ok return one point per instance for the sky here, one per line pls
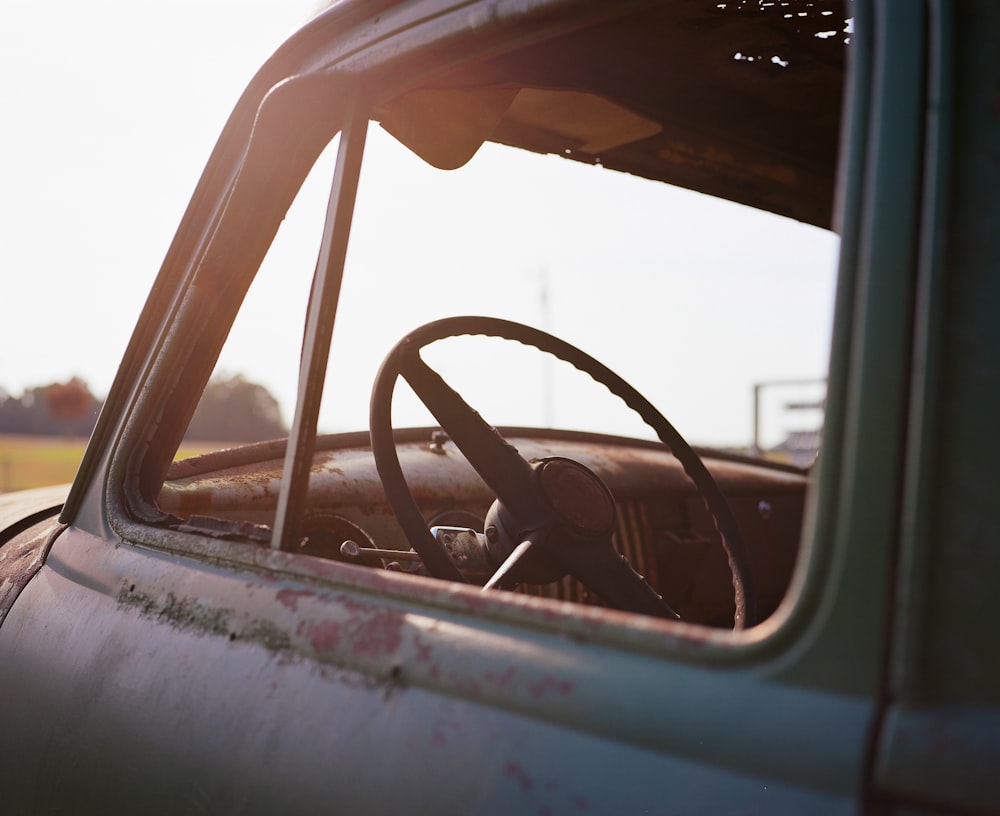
(111, 111)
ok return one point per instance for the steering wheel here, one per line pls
(554, 516)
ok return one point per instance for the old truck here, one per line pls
(480, 615)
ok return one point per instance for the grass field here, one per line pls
(38, 461)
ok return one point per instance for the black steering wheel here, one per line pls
(554, 516)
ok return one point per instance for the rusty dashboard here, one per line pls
(662, 524)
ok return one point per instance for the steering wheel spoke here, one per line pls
(495, 460)
(603, 570)
(510, 563)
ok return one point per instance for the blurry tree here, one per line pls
(233, 409)
(66, 409)
(68, 402)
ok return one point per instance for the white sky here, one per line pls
(111, 110)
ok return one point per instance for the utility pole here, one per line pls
(544, 304)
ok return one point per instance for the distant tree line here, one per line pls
(57, 409)
(232, 409)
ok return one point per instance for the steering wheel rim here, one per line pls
(403, 360)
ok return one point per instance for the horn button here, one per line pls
(577, 495)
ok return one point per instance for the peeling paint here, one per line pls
(289, 598)
(517, 774)
(550, 685)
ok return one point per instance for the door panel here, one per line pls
(143, 678)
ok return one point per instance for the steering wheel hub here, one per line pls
(577, 495)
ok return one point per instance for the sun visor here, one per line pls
(445, 127)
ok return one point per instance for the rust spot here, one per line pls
(324, 636)
(394, 681)
(379, 634)
(471, 687)
(514, 772)
(551, 685)
(369, 632)
(502, 680)
(289, 598)
(190, 614)
(423, 650)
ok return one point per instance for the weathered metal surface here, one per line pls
(21, 557)
(940, 740)
(347, 477)
(21, 509)
(193, 678)
(27, 529)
